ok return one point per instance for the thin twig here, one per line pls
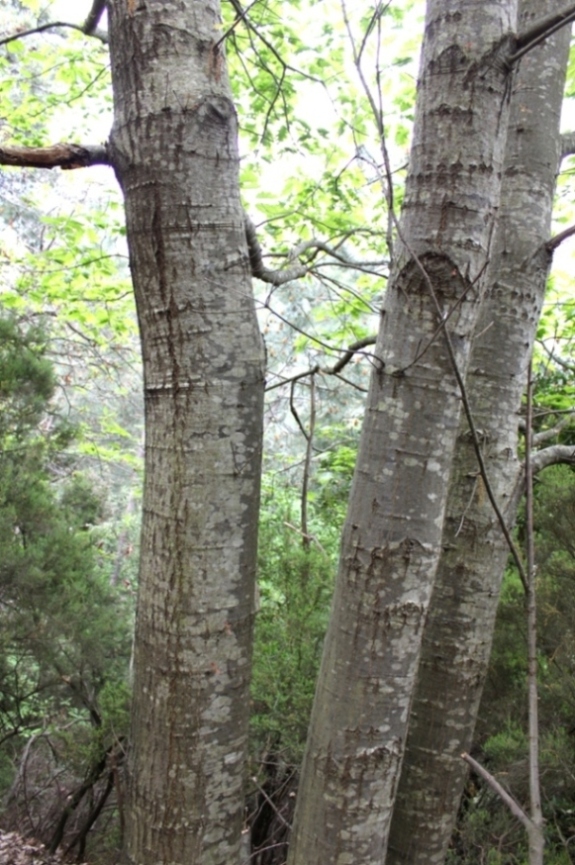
(53, 25)
(536, 839)
(468, 413)
(541, 30)
(271, 803)
(307, 465)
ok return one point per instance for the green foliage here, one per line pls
(295, 585)
(485, 824)
(64, 630)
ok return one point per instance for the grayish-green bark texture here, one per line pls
(174, 148)
(392, 537)
(458, 633)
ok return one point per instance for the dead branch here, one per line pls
(64, 156)
(513, 806)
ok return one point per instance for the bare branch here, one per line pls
(551, 433)
(54, 25)
(289, 274)
(552, 456)
(540, 31)
(333, 370)
(475, 440)
(535, 830)
(240, 15)
(295, 412)
(350, 353)
(293, 378)
(560, 362)
(513, 806)
(65, 156)
(271, 804)
(556, 241)
(275, 277)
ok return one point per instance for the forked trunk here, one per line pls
(392, 537)
(458, 633)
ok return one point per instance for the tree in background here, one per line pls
(65, 633)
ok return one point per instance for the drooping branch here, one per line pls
(55, 25)
(65, 156)
(473, 431)
(513, 806)
(541, 30)
(564, 364)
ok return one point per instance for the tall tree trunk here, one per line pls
(392, 537)
(458, 633)
(174, 148)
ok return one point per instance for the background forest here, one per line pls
(71, 427)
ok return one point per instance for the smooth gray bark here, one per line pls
(174, 148)
(458, 633)
(392, 537)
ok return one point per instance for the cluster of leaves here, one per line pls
(295, 585)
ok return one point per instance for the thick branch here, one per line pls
(556, 241)
(275, 277)
(94, 16)
(65, 156)
(551, 456)
(541, 30)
